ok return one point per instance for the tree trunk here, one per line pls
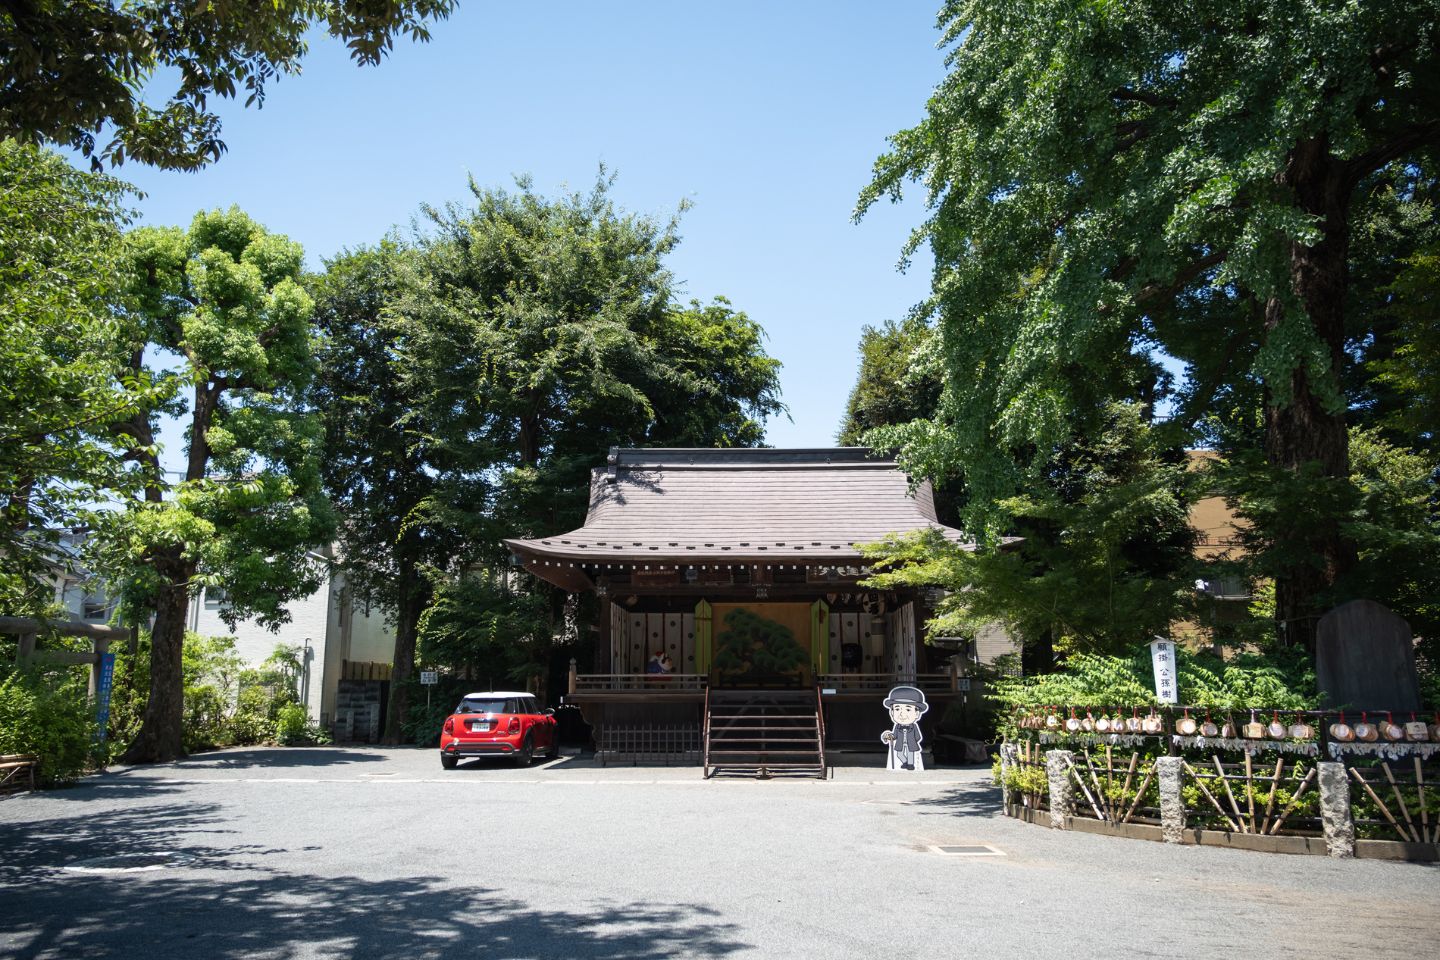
(1303, 427)
(161, 730)
(414, 594)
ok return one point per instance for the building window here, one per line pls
(94, 607)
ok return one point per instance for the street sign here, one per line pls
(962, 683)
(429, 677)
(1167, 681)
(103, 685)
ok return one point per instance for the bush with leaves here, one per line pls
(47, 713)
(1281, 681)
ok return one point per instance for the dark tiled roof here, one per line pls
(769, 506)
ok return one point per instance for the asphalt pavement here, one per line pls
(367, 852)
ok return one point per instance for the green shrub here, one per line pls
(1278, 680)
(48, 714)
(206, 725)
(293, 727)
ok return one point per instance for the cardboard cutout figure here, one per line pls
(906, 705)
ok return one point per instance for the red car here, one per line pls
(499, 723)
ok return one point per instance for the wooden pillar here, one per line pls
(99, 648)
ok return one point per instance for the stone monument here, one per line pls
(1365, 659)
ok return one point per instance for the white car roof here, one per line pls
(487, 694)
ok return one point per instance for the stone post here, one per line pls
(1335, 810)
(1169, 773)
(1008, 752)
(1062, 788)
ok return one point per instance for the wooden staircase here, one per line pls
(760, 733)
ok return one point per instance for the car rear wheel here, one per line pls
(448, 762)
(526, 753)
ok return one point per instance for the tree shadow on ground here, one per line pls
(232, 902)
(274, 758)
(980, 798)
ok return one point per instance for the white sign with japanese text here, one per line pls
(1167, 684)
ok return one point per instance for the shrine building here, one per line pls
(732, 625)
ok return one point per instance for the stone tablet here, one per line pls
(1365, 659)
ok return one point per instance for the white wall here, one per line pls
(254, 643)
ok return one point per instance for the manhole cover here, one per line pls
(130, 863)
(970, 851)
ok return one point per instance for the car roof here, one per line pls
(488, 694)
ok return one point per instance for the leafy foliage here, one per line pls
(1105, 180)
(1282, 681)
(48, 715)
(899, 382)
(63, 348)
(474, 377)
(74, 70)
(222, 307)
(1102, 565)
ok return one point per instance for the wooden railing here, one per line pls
(626, 682)
(884, 681)
(696, 682)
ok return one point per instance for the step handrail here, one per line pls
(820, 729)
(705, 761)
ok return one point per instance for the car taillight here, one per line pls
(514, 724)
(449, 724)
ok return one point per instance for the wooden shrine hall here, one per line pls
(733, 626)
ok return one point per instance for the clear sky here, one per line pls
(767, 116)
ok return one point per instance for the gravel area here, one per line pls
(374, 852)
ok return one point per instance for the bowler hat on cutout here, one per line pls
(910, 695)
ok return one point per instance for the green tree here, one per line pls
(380, 468)
(75, 70)
(899, 382)
(540, 332)
(221, 306)
(536, 333)
(1108, 178)
(64, 352)
(1103, 562)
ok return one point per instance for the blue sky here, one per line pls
(766, 116)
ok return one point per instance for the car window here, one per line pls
(484, 705)
(530, 706)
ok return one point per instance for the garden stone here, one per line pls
(1335, 810)
(1062, 788)
(1008, 756)
(1168, 775)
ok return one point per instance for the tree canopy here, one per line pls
(1111, 181)
(221, 310)
(72, 71)
(63, 348)
(474, 374)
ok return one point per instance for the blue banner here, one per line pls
(103, 686)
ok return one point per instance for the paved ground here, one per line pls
(371, 853)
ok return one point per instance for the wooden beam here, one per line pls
(65, 628)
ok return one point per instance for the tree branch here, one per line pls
(1125, 94)
(1182, 278)
(1416, 135)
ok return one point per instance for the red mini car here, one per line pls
(500, 723)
